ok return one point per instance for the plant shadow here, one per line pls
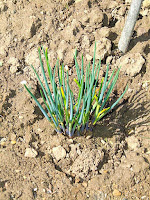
(127, 116)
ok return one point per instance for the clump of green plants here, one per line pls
(67, 113)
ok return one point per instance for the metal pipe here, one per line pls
(129, 25)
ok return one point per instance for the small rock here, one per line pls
(132, 130)
(148, 152)
(88, 57)
(89, 134)
(77, 1)
(17, 170)
(145, 85)
(3, 141)
(13, 69)
(20, 117)
(35, 144)
(146, 4)
(144, 12)
(32, 58)
(13, 142)
(59, 152)
(88, 137)
(143, 197)
(85, 184)
(70, 141)
(131, 64)
(116, 193)
(133, 143)
(31, 153)
(1, 63)
(13, 61)
(105, 171)
(109, 59)
(14, 64)
(103, 142)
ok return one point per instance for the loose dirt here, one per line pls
(113, 161)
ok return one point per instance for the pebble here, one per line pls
(77, 1)
(85, 184)
(70, 141)
(17, 170)
(145, 12)
(1, 63)
(89, 137)
(59, 152)
(131, 64)
(31, 153)
(13, 69)
(103, 142)
(13, 64)
(105, 171)
(109, 59)
(116, 193)
(148, 152)
(88, 57)
(20, 117)
(13, 61)
(143, 197)
(146, 4)
(133, 143)
(13, 142)
(131, 132)
(3, 141)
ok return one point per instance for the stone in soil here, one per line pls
(133, 143)
(131, 64)
(31, 153)
(59, 152)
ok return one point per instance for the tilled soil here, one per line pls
(113, 161)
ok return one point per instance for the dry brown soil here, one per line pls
(113, 162)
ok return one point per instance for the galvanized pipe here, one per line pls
(129, 25)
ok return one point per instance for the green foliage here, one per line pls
(66, 113)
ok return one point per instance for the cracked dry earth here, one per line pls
(112, 162)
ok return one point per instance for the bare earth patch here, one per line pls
(36, 163)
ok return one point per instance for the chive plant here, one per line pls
(65, 112)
